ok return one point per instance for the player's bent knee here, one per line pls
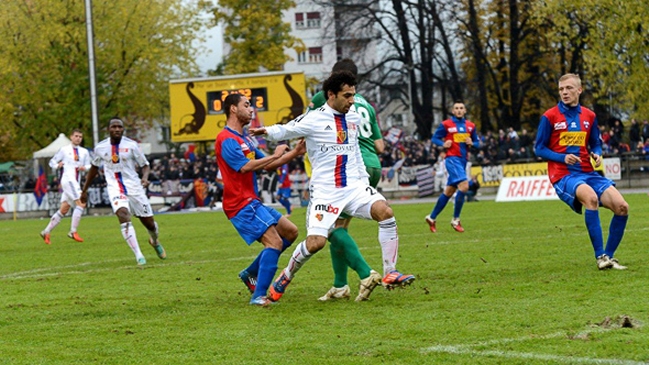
(315, 243)
(590, 202)
(381, 211)
(291, 234)
(622, 209)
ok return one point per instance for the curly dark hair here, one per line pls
(336, 81)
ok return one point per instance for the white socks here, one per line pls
(299, 257)
(389, 240)
(128, 232)
(76, 217)
(54, 221)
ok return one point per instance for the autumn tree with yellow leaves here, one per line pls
(139, 46)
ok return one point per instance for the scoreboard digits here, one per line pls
(257, 97)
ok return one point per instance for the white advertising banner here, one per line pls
(22, 202)
(525, 188)
(613, 168)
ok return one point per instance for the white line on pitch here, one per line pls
(43, 272)
(468, 349)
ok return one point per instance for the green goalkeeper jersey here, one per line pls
(369, 131)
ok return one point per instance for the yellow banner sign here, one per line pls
(197, 104)
(492, 175)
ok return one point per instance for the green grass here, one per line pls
(520, 286)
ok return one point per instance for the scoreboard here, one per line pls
(257, 96)
(197, 104)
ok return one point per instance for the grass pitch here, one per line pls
(520, 286)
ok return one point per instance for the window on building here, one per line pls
(315, 54)
(301, 57)
(339, 53)
(313, 19)
(299, 20)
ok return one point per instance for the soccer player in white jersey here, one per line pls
(71, 160)
(119, 156)
(339, 181)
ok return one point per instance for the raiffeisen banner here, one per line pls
(526, 188)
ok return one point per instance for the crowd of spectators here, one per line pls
(504, 146)
(513, 146)
(170, 170)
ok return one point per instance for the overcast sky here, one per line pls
(213, 55)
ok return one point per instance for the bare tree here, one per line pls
(418, 53)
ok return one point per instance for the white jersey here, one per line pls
(73, 157)
(331, 143)
(120, 163)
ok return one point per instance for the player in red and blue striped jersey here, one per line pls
(284, 190)
(456, 135)
(568, 136)
(238, 159)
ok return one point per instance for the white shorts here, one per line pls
(137, 203)
(326, 205)
(71, 192)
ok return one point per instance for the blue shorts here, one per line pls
(254, 220)
(284, 193)
(566, 188)
(456, 169)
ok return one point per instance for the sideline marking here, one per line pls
(468, 349)
(43, 272)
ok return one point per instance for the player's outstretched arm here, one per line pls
(257, 131)
(298, 150)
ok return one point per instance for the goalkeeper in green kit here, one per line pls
(342, 245)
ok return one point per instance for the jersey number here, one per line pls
(366, 125)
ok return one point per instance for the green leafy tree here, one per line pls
(504, 62)
(607, 43)
(139, 46)
(256, 34)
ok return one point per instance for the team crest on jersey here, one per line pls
(319, 217)
(560, 125)
(586, 124)
(115, 158)
(341, 136)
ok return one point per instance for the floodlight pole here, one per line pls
(91, 73)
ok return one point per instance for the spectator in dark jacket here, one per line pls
(634, 134)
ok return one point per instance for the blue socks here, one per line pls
(594, 228)
(268, 259)
(286, 204)
(459, 202)
(443, 200)
(441, 203)
(615, 233)
(253, 269)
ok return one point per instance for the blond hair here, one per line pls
(571, 76)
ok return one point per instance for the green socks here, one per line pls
(344, 253)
